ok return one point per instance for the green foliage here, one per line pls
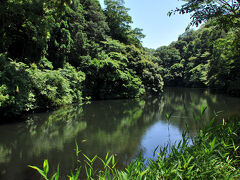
(118, 19)
(207, 57)
(225, 12)
(16, 91)
(47, 48)
(45, 171)
(96, 24)
(146, 69)
(214, 154)
(210, 54)
(4, 97)
(123, 72)
(25, 28)
(52, 88)
(25, 88)
(110, 78)
(95, 27)
(199, 75)
(108, 168)
(119, 23)
(224, 68)
(169, 58)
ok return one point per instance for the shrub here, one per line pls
(25, 88)
(111, 78)
(16, 89)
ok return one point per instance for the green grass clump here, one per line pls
(214, 154)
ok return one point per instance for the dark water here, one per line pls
(123, 127)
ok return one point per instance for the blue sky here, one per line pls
(151, 16)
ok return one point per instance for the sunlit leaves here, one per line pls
(55, 43)
(203, 10)
(119, 23)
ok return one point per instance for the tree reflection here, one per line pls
(185, 104)
(116, 126)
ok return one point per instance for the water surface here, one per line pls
(122, 127)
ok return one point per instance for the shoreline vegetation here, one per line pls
(61, 52)
(54, 53)
(213, 154)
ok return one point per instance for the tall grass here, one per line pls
(214, 154)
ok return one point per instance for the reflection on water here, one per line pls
(123, 127)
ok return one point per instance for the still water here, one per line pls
(122, 127)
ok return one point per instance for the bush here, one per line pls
(25, 88)
(111, 78)
(148, 72)
(16, 89)
(51, 88)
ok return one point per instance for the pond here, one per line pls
(123, 127)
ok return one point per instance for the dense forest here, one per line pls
(207, 57)
(59, 52)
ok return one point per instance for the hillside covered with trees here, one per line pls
(59, 52)
(209, 56)
(54, 53)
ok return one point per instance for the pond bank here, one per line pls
(123, 127)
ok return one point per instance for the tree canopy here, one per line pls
(208, 57)
(225, 11)
(59, 52)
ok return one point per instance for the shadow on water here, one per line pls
(122, 127)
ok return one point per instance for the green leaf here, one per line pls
(45, 166)
(87, 157)
(77, 148)
(77, 174)
(168, 116)
(40, 171)
(203, 109)
(56, 175)
(212, 144)
(108, 161)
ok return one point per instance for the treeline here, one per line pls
(58, 52)
(207, 57)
